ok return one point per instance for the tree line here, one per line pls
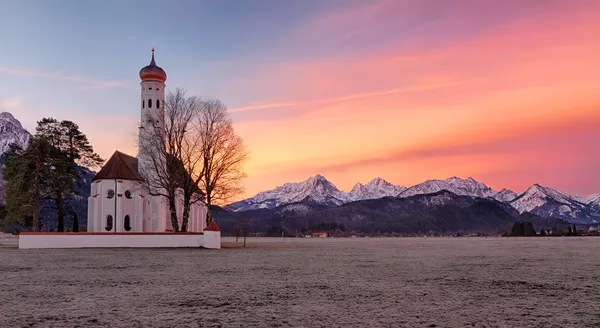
(190, 149)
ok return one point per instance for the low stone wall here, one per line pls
(111, 240)
(7, 239)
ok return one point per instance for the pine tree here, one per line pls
(72, 149)
(27, 181)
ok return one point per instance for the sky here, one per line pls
(506, 92)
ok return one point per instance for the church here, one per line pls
(121, 211)
(118, 201)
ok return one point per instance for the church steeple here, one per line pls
(152, 102)
(152, 72)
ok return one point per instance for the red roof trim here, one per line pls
(212, 226)
(106, 233)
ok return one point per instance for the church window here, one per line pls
(109, 223)
(149, 103)
(127, 194)
(157, 103)
(127, 223)
(143, 104)
(110, 193)
(149, 88)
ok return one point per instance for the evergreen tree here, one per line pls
(72, 149)
(528, 229)
(517, 229)
(27, 181)
(569, 231)
(542, 232)
(574, 230)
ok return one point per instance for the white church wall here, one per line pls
(212, 239)
(125, 205)
(107, 240)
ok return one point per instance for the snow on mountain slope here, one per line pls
(593, 199)
(315, 189)
(376, 188)
(463, 187)
(549, 202)
(11, 131)
(505, 195)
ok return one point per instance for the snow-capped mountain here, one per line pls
(549, 202)
(593, 199)
(376, 188)
(11, 131)
(505, 195)
(315, 189)
(462, 187)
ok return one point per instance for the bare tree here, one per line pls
(162, 144)
(223, 155)
(191, 149)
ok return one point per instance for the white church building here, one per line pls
(121, 213)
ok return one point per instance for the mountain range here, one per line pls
(539, 200)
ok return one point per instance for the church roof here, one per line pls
(212, 226)
(119, 166)
(153, 72)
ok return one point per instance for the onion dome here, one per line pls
(153, 72)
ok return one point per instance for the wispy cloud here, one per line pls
(10, 102)
(348, 97)
(90, 84)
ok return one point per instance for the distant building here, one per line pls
(319, 234)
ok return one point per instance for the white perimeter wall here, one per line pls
(74, 240)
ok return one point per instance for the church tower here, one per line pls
(152, 101)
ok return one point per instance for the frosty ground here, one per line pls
(393, 282)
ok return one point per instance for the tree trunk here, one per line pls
(36, 196)
(36, 212)
(60, 212)
(173, 211)
(186, 213)
(208, 216)
(75, 222)
(208, 211)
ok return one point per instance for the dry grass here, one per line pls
(411, 282)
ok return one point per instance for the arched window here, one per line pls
(149, 103)
(109, 223)
(127, 194)
(127, 223)
(110, 193)
(157, 103)
(143, 104)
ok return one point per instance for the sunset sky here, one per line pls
(506, 92)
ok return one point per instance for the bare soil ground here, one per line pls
(409, 282)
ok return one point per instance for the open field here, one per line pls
(371, 282)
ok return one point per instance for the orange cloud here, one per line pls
(498, 97)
